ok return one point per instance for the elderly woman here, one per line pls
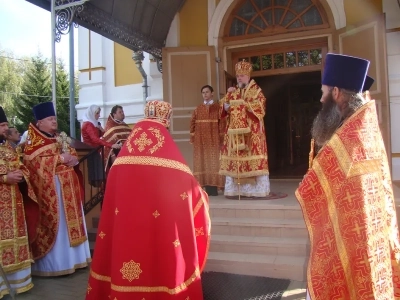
(91, 134)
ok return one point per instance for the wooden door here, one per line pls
(185, 71)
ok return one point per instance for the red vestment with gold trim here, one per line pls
(244, 151)
(154, 229)
(42, 158)
(206, 135)
(14, 199)
(348, 206)
(114, 133)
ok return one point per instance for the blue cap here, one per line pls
(346, 72)
(44, 110)
(3, 118)
(369, 81)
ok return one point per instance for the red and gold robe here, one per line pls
(42, 158)
(154, 229)
(206, 135)
(114, 133)
(244, 150)
(14, 200)
(348, 206)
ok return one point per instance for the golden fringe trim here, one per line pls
(79, 241)
(244, 174)
(19, 281)
(147, 289)
(152, 161)
(64, 272)
(246, 158)
(207, 121)
(247, 180)
(237, 102)
(18, 290)
(17, 267)
(234, 131)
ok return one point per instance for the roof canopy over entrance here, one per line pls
(136, 24)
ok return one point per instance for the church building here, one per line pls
(285, 40)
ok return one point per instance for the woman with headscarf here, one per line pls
(91, 134)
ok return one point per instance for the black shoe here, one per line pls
(211, 190)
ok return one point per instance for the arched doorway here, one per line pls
(287, 69)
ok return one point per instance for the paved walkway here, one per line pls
(69, 287)
(73, 287)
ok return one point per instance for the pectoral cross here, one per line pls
(64, 141)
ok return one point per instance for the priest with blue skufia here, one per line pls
(61, 245)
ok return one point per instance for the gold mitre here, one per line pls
(158, 110)
(243, 68)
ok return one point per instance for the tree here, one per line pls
(62, 92)
(11, 72)
(36, 88)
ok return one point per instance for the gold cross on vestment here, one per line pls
(142, 142)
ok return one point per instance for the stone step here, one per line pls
(285, 267)
(92, 234)
(285, 228)
(95, 222)
(259, 245)
(254, 211)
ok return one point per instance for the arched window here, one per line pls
(252, 17)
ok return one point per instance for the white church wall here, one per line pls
(392, 10)
(100, 88)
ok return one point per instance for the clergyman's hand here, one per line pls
(231, 89)
(367, 96)
(73, 161)
(14, 177)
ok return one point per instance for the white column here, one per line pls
(92, 79)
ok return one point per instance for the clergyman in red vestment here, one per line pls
(18, 218)
(154, 230)
(206, 135)
(61, 245)
(346, 195)
(116, 131)
(244, 157)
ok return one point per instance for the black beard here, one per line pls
(326, 122)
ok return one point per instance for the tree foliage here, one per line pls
(11, 71)
(62, 93)
(36, 88)
(25, 82)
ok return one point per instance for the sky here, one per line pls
(25, 29)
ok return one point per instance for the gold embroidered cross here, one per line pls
(176, 243)
(199, 231)
(102, 234)
(116, 211)
(184, 196)
(156, 214)
(89, 288)
(142, 142)
(130, 270)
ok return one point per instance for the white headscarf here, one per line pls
(89, 115)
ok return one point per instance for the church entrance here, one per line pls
(293, 101)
